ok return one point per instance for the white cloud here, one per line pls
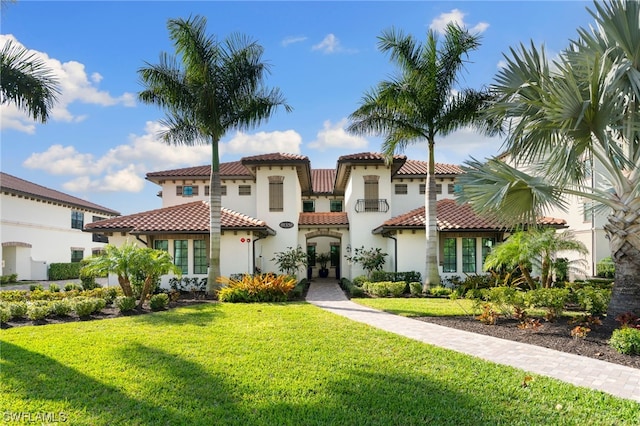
(123, 180)
(75, 86)
(330, 44)
(263, 142)
(291, 40)
(456, 16)
(335, 136)
(123, 167)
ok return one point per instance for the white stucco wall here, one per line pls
(47, 228)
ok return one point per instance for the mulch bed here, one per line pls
(553, 335)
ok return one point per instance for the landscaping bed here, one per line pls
(107, 312)
(554, 335)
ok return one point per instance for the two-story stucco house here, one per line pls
(40, 226)
(275, 202)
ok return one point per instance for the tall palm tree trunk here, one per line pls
(623, 231)
(432, 275)
(215, 213)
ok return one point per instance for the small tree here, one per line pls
(370, 260)
(129, 261)
(291, 261)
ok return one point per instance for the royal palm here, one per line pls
(209, 88)
(420, 103)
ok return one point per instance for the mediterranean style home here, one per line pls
(40, 226)
(276, 202)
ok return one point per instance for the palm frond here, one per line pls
(498, 190)
(27, 82)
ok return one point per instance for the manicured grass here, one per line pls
(420, 307)
(272, 364)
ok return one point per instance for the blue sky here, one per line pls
(100, 142)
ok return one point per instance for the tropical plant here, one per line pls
(207, 89)
(420, 103)
(291, 260)
(130, 262)
(27, 82)
(570, 124)
(370, 260)
(534, 247)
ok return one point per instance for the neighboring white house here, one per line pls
(274, 202)
(40, 226)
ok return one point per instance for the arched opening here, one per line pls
(325, 255)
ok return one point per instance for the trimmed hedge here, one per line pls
(64, 271)
(410, 276)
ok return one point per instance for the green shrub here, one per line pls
(439, 291)
(415, 288)
(60, 307)
(385, 288)
(37, 310)
(159, 301)
(36, 287)
(551, 299)
(626, 340)
(380, 276)
(72, 286)
(360, 280)
(5, 313)
(14, 295)
(606, 268)
(64, 271)
(593, 300)
(234, 295)
(6, 279)
(125, 303)
(54, 288)
(299, 290)
(18, 309)
(84, 306)
(89, 282)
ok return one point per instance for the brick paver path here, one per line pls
(612, 378)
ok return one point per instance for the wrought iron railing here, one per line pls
(372, 205)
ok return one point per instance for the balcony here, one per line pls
(372, 206)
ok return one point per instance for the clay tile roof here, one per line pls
(416, 167)
(233, 168)
(453, 216)
(322, 180)
(183, 218)
(19, 186)
(364, 156)
(323, 219)
(277, 156)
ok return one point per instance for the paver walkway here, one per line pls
(612, 378)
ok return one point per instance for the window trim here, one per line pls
(77, 217)
(469, 255)
(307, 202)
(200, 257)
(247, 189)
(400, 189)
(184, 263)
(450, 259)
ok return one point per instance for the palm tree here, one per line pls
(579, 116)
(420, 104)
(217, 87)
(115, 260)
(535, 246)
(27, 82)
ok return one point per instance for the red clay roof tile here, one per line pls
(419, 168)
(323, 180)
(454, 216)
(323, 219)
(188, 218)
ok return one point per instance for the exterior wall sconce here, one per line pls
(348, 248)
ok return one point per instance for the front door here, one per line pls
(335, 259)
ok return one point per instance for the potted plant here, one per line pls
(322, 259)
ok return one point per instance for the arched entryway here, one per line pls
(324, 249)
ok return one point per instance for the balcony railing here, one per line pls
(372, 206)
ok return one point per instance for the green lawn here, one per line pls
(272, 364)
(420, 307)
